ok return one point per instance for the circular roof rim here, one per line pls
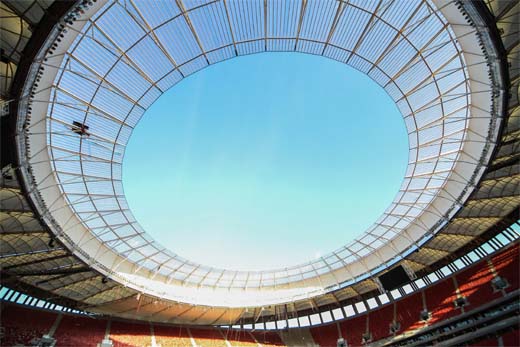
(186, 261)
(44, 214)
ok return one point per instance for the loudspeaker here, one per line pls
(460, 302)
(424, 315)
(395, 327)
(499, 283)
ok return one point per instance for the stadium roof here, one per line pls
(97, 74)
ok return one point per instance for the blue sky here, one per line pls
(265, 161)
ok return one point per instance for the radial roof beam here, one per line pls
(300, 22)
(186, 16)
(38, 261)
(52, 272)
(154, 37)
(230, 28)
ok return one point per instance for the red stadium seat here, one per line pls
(408, 312)
(439, 300)
(124, 334)
(491, 342)
(268, 338)
(475, 284)
(171, 336)
(511, 339)
(22, 325)
(240, 338)
(353, 330)
(80, 331)
(207, 338)
(379, 322)
(326, 335)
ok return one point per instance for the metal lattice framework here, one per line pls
(109, 65)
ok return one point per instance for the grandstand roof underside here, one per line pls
(409, 48)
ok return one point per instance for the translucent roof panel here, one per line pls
(120, 56)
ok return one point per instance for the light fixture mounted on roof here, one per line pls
(80, 128)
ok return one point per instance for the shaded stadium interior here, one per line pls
(84, 72)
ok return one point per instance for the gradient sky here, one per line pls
(265, 161)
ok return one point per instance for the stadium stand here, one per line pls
(76, 330)
(326, 335)
(474, 285)
(352, 330)
(125, 334)
(379, 322)
(439, 300)
(240, 338)
(408, 312)
(171, 336)
(22, 326)
(490, 319)
(208, 338)
(268, 338)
